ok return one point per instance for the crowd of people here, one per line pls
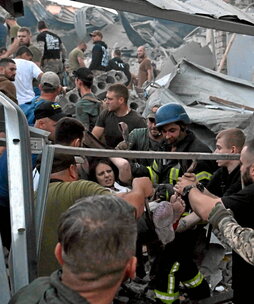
(97, 215)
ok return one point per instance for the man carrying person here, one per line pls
(92, 271)
(100, 56)
(117, 111)
(241, 203)
(176, 263)
(172, 121)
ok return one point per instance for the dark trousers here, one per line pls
(5, 226)
(180, 252)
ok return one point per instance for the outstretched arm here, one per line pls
(142, 188)
(240, 239)
(124, 169)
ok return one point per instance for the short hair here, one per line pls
(85, 76)
(120, 90)
(67, 130)
(23, 50)
(25, 29)
(94, 162)
(98, 237)
(117, 52)
(41, 25)
(232, 137)
(5, 61)
(250, 147)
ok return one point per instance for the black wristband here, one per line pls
(200, 187)
(187, 189)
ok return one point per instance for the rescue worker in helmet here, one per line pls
(176, 263)
(172, 120)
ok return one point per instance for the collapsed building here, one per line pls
(190, 59)
(188, 70)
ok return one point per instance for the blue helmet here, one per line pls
(169, 113)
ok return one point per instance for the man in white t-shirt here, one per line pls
(26, 72)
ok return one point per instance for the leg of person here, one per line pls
(166, 281)
(196, 286)
(5, 226)
(146, 235)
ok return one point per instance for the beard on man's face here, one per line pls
(246, 178)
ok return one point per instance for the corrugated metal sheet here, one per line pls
(206, 13)
(192, 86)
(212, 8)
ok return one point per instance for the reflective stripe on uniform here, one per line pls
(203, 175)
(173, 175)
(170, 296)
(197, 280)
(165, 297)
(153, 172)
(153, 176)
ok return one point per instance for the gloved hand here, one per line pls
(163, 192)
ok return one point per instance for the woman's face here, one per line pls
(105, 175)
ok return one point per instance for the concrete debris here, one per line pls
(99, 88)
(102, 82)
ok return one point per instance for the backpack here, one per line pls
(29, 107)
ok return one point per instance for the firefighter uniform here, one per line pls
(176, 263)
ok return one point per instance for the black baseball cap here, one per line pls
(49, 109)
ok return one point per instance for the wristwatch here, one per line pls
(200, 187)
(187, 189)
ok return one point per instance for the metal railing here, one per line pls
(27, 221)
(23, 257)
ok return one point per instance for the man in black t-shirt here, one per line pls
(227, 180)
(54, 52)
(116, 63)
(242, 206)
(117, 111)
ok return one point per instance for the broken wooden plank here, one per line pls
(230, 103)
